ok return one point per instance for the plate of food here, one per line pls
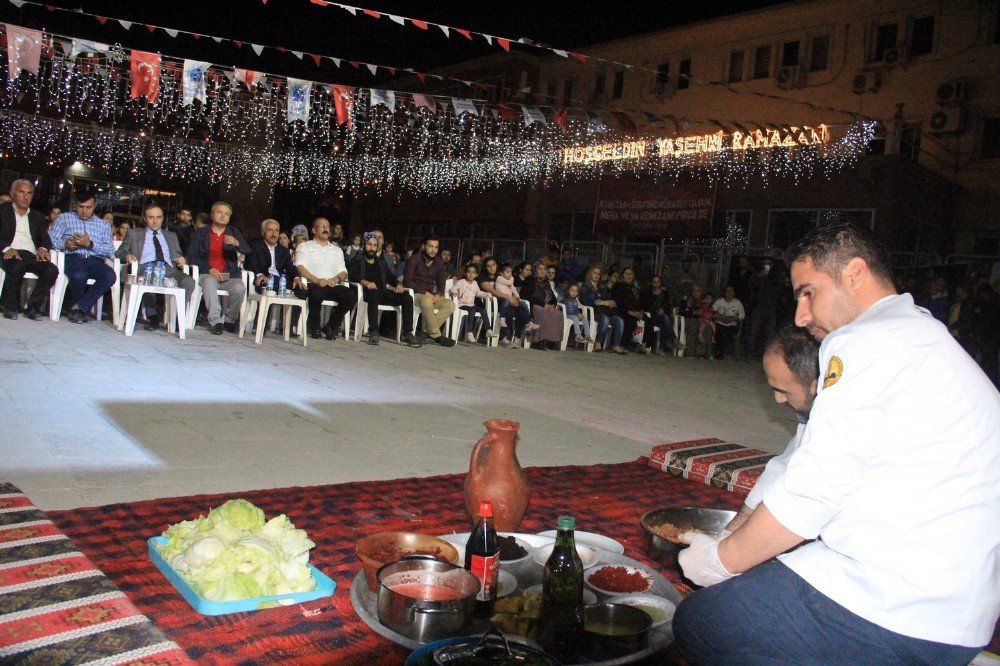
(615, 579)
(591, 539)
(588, 554)
(515, 547)
(659, 609)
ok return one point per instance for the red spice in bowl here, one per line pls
(619, 579)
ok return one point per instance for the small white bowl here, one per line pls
(658, 608)
(588, 596)
(588, 578)
(588, 554)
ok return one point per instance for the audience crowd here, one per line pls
(502, 300)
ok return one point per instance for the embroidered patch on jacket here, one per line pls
(834, 370)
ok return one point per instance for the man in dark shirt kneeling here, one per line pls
(380, 288)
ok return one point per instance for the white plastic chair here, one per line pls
(333, 304)
(191, 312)
(53, 300)
(679, 332)
(62, 284)
(361, 320)
(195, 273)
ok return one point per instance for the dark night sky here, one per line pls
(299, 25)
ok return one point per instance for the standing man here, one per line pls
(321, 262)
(86, 240)
(269, 258)
(155, 244)
(380, 288)
(182, 226)
(25, 240)
(215, 250)
(425, 276)
(897, 473)
(449, 266)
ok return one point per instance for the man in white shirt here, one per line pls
(897, 474)
(24, 238)
(321, 262)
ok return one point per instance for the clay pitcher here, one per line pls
(496, 475)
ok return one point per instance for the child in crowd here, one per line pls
(581, 327)
(505, 285)
(468, 292)
(706, 322)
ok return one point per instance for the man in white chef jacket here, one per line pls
(897, 474)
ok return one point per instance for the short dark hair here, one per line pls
(799, 350)
(84, 193)
(832, 246)
(432, 238)
(151, 205)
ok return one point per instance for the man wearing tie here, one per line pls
(269, 258)
(151, 245)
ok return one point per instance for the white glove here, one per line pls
(700, 560)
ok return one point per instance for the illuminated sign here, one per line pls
(789, 137)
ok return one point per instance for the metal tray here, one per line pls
(324, 588)
(365, 601)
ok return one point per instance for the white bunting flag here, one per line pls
(298, 99)
(336, 61)
(594, 122)
(17, 3)
(126, 24)
(532, 115)
(489, 39)
(386, 97)
(396, 19)
(257, 48)
(298, 54)
(217, 40)
(85, 46)
(353, 10)
(564, 54)
(372, 68)
(424, 101)
(445, 30)
(172, 33)
(194, 81)
(464, 106)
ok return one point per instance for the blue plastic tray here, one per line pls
(324, 588)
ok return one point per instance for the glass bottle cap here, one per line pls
(566, 523)
(486, 509)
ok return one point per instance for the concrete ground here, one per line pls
(92, 417)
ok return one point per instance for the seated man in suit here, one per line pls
(150, 245)
(24, 237)
(380, 288)
(269, 258)
(86, 240)
(215, 249)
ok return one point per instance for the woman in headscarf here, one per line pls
(546, 327)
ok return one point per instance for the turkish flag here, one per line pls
(247, 77)
(560, 118)
(145, 68)
(343, 100)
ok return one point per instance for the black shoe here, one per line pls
(216, 330)
(444, 341)
(542, 345)
(315, 334)
(78, 317)
(329, 332)
(373, 339)
(412, 340)
(32, 313)
(231, 327)
(9, 314)
(152, 323)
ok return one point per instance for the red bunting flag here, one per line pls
(420, 24)
(238, 43)
(626, 123)
(579, 56)
(247, 77)
(343, 101)
(316, 58)
(321, 3)
(508, 112)
(504, 44)
(151, 28)
(101, 19)
(145, 68)
(372, 13)
(424, 101)
(465, 33)
(560, 118)
(422, 77)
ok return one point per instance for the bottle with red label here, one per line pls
(482, 559)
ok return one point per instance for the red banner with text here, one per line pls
(638, 208)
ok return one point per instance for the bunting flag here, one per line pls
(145, 68)
(298, 99)
(594, 122)
(24, 50)
(343, 101)
(626, 123)
(507, 112)
(425, 102)
(85, 46)
(462, 105)
(247, 77)
(194, 81)
(385, 97)
(532, 115)
(560, 118)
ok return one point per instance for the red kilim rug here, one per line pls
(608, 499)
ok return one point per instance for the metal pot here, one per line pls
(491, 648)
(614, 630)
(407, 603)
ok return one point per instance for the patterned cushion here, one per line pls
(713, 462)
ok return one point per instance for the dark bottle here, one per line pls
(560, 625)
(482, 558)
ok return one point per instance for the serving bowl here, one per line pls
(426, 599)
(661, 610)
(637, 582)
(381, 548)
(614, 630)
(588, 555)
(657, 522)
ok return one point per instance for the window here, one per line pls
(684, 74)
(909, 141)
(662, 76)
(550, 92)
(619, 86)
(819, 56)
(762, 62)
(885, 38)
(790, 54)
(735, 67)
(567, 92)
(990, 146)
(922, 36)
(599, 86)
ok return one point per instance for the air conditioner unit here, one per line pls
(952, 93)
(950, 120)
(790, 76)
(894, 56)
(866, 80)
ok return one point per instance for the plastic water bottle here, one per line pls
(270, 283)
(161, 273)
(148, 274)
(282, 285)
